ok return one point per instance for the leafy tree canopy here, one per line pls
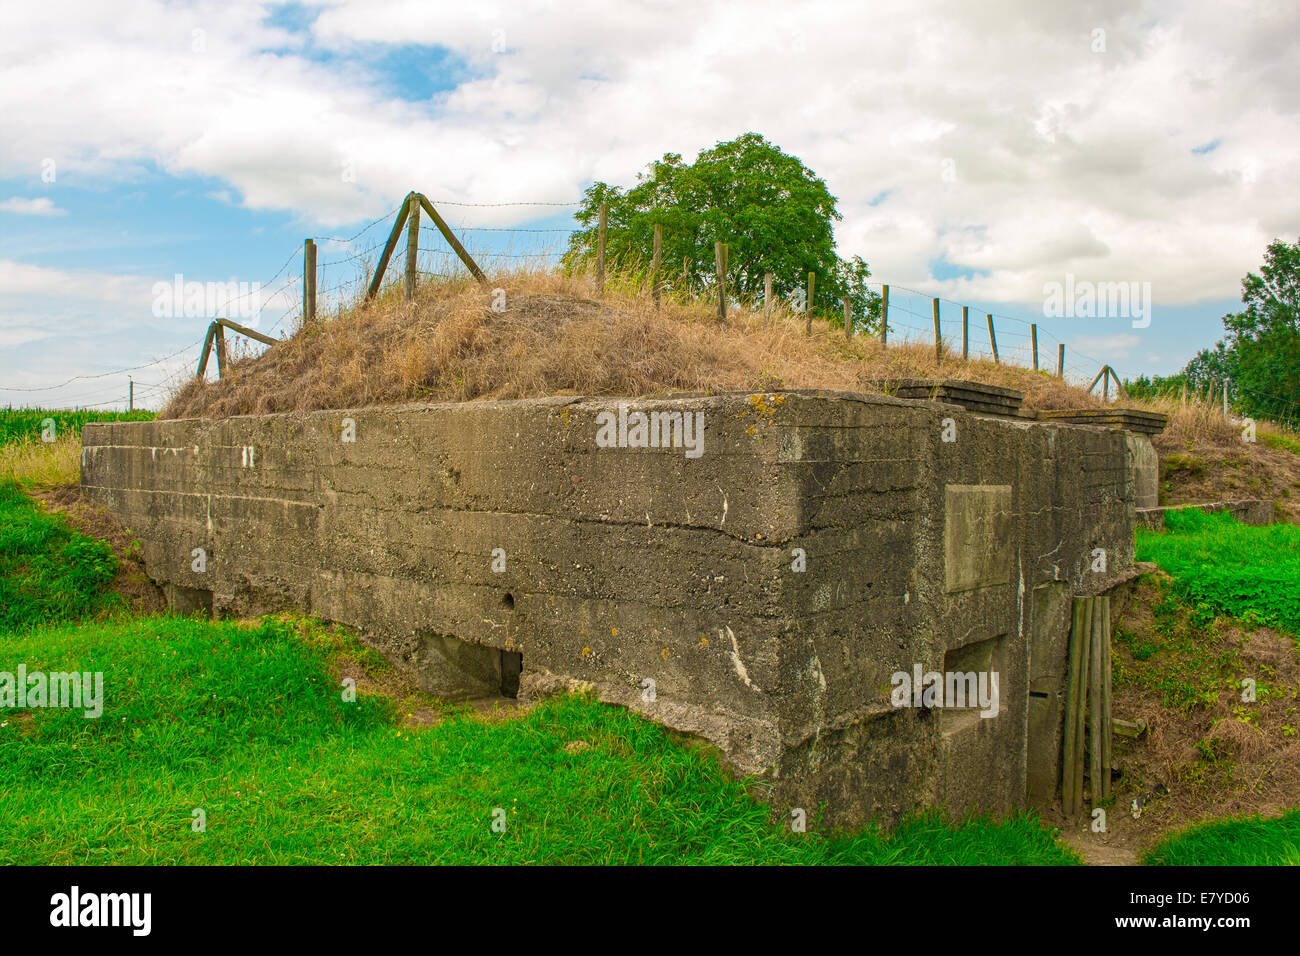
(774, 213)
(1261, 351)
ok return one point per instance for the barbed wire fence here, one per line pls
(344, 275)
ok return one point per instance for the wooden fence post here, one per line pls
(938, 333)
(993, 339)
(1033, 335)
(130, 394)
(1060, 361)
(1095, 706)
(1081, 724)
(412, 244)
(1072, 705)
(1107, 714)
(848, 319)
(812, 287)
(207, 349)
(720, 263)
(965, 332)
(655, 262)
(884, 313)
(389, 246)
(308, 282)
(219, 342)
(767, 296)
(601, 223)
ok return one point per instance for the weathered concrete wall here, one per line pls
(760, 595)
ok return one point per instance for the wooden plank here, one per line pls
(451, 239)
(993, 339)
(601, 227)
(244, 330)
(412, 245)
(1071, 708)
(1060, 360)
(965, 332)
(308, 281)
(1080, 727)
(1095, 706)
(767, 296)
(1107, 717)
(1033, 336)
(656, 261)
(884, 313)
(389, 246)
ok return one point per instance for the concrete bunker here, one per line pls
(762, 592)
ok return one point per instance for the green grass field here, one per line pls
(1248, 842)
(30, 424)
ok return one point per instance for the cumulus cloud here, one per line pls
(1016, 141)
(41, 206)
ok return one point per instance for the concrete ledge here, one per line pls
(1133, 419)
(974, 396)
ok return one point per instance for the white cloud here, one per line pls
(41, 206)
(1066, 160)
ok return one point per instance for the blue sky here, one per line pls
(209, 139)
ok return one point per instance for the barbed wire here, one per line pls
(120, 371)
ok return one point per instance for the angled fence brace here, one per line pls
(216, 334)
(389, 246)
(452, 241)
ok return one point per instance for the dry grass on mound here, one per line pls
(556, 338)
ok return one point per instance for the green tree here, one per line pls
(774, 213)
(1261, 351)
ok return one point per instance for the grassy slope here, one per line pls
(1218, 566)
(48, 572)
(1246, 842)
(1249, 572)
(245, 723)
